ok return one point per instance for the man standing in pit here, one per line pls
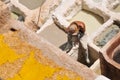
(74, 47)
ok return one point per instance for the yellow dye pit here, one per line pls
(6, 53)
(32, 69)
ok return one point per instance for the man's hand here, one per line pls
(60, 22)
(56, 21)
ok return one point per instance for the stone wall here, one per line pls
(4, 14)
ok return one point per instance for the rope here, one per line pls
(39, 15)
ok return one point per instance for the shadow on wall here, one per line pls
(32, 4)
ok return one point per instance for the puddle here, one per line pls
(117, 9)
(105, 36)
(91, 20)
(32, 4)
(54, 35)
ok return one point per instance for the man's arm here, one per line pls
(60, 22)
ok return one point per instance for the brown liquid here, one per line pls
(116, 57)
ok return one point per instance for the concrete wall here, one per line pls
(110, 67)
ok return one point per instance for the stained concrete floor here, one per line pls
(54, 35)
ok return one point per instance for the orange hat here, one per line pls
(80, 26)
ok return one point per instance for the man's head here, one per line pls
(73, 29)
(76, 27)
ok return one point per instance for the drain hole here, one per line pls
(12, 29)
(116, 56)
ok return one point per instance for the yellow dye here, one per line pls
(6, 53)
(62, 77)
(33, 70)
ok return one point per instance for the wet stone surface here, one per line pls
(108, 34)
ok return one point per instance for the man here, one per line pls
(74, 47)
(75, 31)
